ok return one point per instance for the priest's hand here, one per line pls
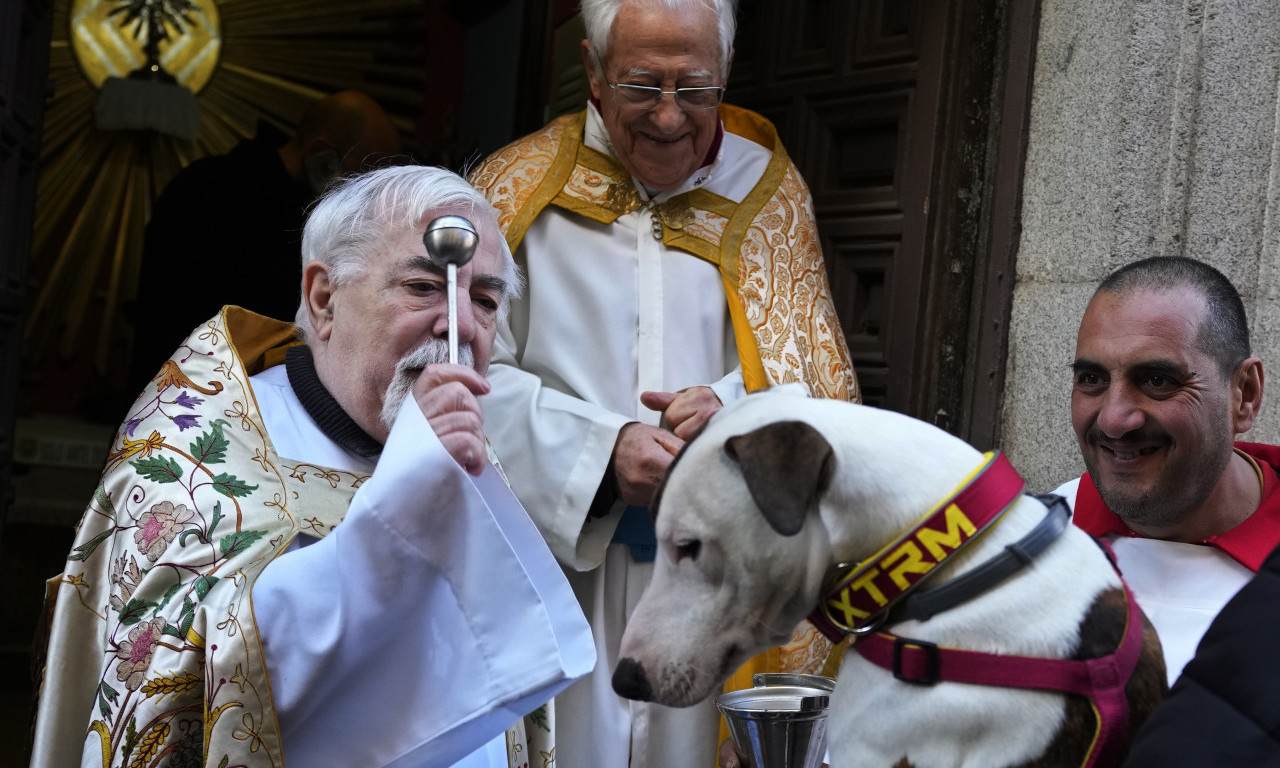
(447, 393)
(641, 456)
(685, 412)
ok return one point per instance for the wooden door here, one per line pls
(890, 110)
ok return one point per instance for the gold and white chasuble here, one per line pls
(718, 282)
(173, 643)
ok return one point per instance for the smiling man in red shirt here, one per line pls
(1163, 382)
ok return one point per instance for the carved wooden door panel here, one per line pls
(853, 90)
(907, 119)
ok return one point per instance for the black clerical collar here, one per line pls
(320, 405)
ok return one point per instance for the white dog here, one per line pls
(757, 510)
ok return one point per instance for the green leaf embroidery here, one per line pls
(132, 611)
(168, 595)
(236, 543)
(130, 741)
(106, 694)
(103, 500)
(187, 616)
(230, 485)
(217, 517)
(158, 469)
(182, 537)
(538, 717)
(211, 447)
(204, 584)
(85, 550)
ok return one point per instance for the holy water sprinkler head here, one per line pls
(450, 240)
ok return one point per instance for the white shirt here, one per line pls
(1180, 587)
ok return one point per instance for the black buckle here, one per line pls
(930, 660)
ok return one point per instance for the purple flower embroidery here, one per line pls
(158, 526)
(135, 653)
(132, 424)
(187, 401)
(186, 420)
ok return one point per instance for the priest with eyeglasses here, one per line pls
(673, 265)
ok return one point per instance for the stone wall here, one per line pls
(1154, 131)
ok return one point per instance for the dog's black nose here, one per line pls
(629, 680)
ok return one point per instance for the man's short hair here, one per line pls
(1224, 332)
(598, 16)
(358, 213)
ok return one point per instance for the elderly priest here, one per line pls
(304, 552)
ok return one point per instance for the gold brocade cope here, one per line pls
(765, 245)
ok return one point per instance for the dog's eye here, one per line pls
(688, 549)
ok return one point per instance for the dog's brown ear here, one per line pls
(787, 466)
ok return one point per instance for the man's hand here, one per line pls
(685, 412)
(641, 456)
(729, 756)
(446, 393)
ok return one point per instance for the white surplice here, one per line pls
(1180, 587)
(426, 623)
(609, 312)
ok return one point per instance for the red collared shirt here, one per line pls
(1249, 543)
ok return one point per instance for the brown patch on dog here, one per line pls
(904, 763)
(787, 465)
(1100, 635)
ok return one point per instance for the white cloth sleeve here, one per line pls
(731, 388)
(429, 621)
(555, 449)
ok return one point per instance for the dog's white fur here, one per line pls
(749, 587)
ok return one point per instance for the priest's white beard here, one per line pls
(431, 352)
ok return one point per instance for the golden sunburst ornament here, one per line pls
(243, 60)
(107, 45)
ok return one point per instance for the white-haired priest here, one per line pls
(303, 551)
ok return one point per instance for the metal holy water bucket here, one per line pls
(781, 722)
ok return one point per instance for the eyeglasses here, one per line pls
(648, 96)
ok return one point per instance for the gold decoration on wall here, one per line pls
(104, 48)
(245, 59)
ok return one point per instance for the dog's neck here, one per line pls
(883, 489)
(926, 547)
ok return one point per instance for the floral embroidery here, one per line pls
(126, 575)
(135, 653)
(158, 527)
